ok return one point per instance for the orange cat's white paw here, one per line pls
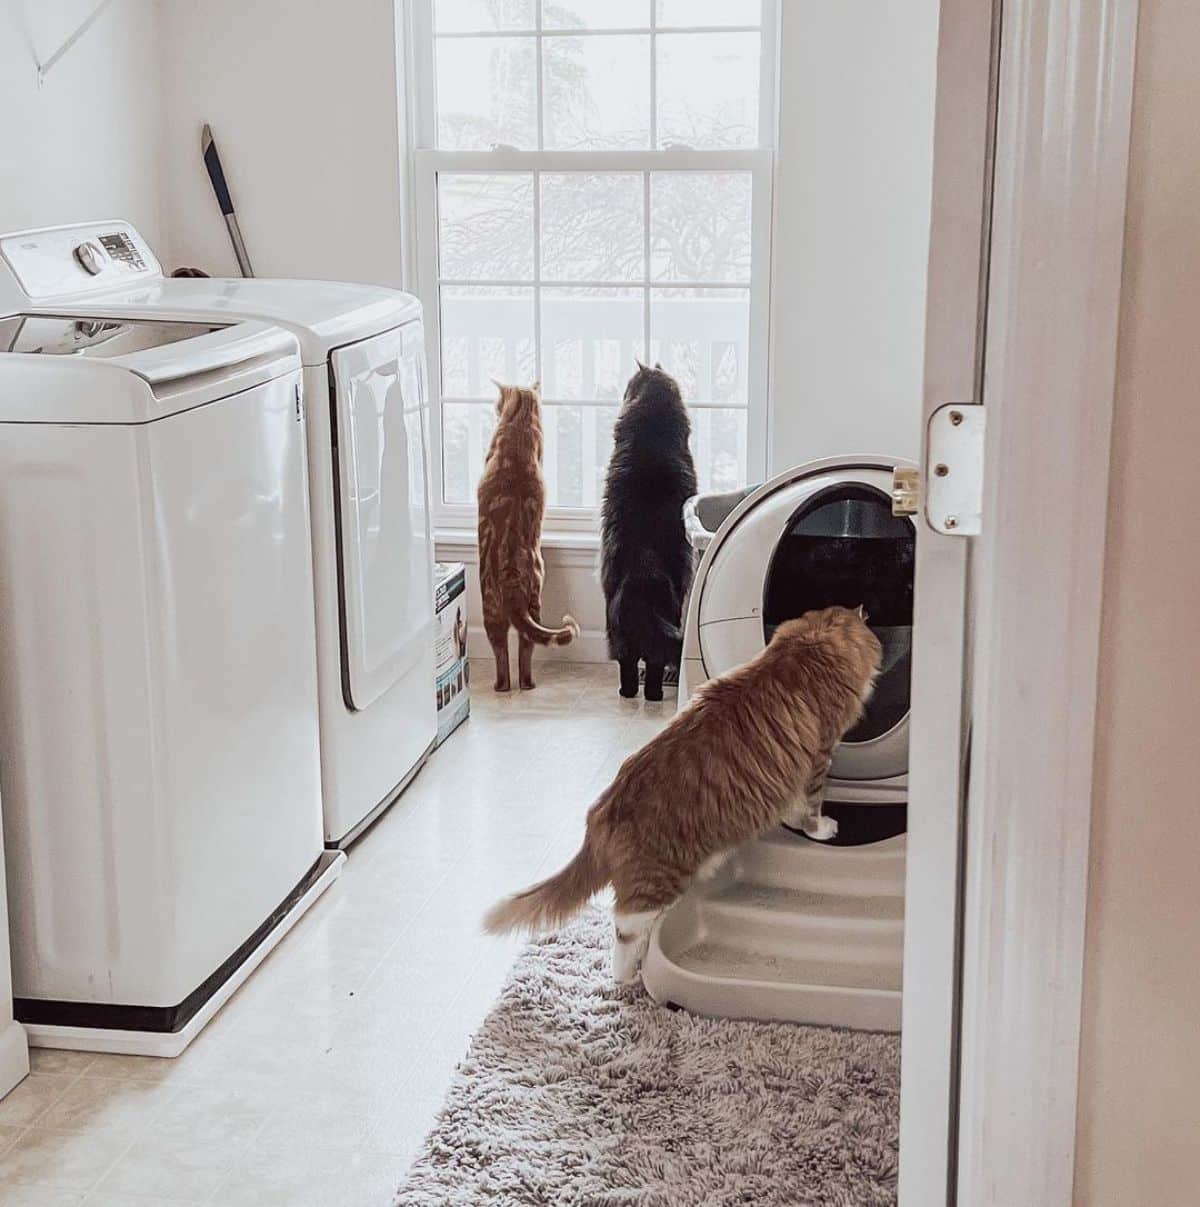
(822, 828)
(631, 938)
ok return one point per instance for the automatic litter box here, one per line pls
(793, 929)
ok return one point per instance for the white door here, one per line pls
(956, 306)
(1010, 620)
(385, 545)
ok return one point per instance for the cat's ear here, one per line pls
(639, 364)
(863, 614)
(499, 395)
(536, 389)
(658, 365)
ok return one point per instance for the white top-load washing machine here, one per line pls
(159, 753)
(367, 414)
(790, 928)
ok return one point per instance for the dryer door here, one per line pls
(821, 540)
(385, 547)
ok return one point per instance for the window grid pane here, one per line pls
(684, 13)
(485, 226)
(592, 227)
(486, 93)
(484, 16)
(702, 338)
(574, 15)
(596, 94)
(597, 82)
(487, 335)
(723, 111)
(590, 340)
(700, 227)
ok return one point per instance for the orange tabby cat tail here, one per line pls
(552, 902)
(529, 628)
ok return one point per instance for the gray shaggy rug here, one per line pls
(580, 1094)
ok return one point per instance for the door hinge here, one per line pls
(953, 477)
(299, 405)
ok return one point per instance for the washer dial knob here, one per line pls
(91, 257)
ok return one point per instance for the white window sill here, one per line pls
(560, 539)
(577, 550)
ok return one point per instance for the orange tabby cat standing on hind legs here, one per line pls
(512, 502)
(749, 749)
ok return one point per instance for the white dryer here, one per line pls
(159, 752)
(363, 352)
(790, 928)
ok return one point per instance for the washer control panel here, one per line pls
(66, 261)
(121, 248)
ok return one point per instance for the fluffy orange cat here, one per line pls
(512, 502)
(750, 748)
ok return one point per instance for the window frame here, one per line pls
(428, 161)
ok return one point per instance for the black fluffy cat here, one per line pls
(646, 561)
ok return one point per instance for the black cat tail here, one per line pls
(612, 610)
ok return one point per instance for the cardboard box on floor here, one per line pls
(453, 670)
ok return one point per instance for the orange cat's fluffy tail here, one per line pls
(529, 628)
(553, 901)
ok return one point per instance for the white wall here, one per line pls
(853, 180)
(85, 144)
(302, 99)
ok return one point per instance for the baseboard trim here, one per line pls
(14, 1056)
(578, 554)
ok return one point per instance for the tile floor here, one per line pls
(316, 1083)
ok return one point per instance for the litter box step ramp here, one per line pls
(788, 930)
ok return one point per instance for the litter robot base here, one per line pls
(750, 944)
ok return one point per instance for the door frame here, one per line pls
(1058, 230)
(993, 980)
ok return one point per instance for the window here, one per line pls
(594, 188)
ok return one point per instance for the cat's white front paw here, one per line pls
(627, 962)
(631, 939)
(821, 828)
